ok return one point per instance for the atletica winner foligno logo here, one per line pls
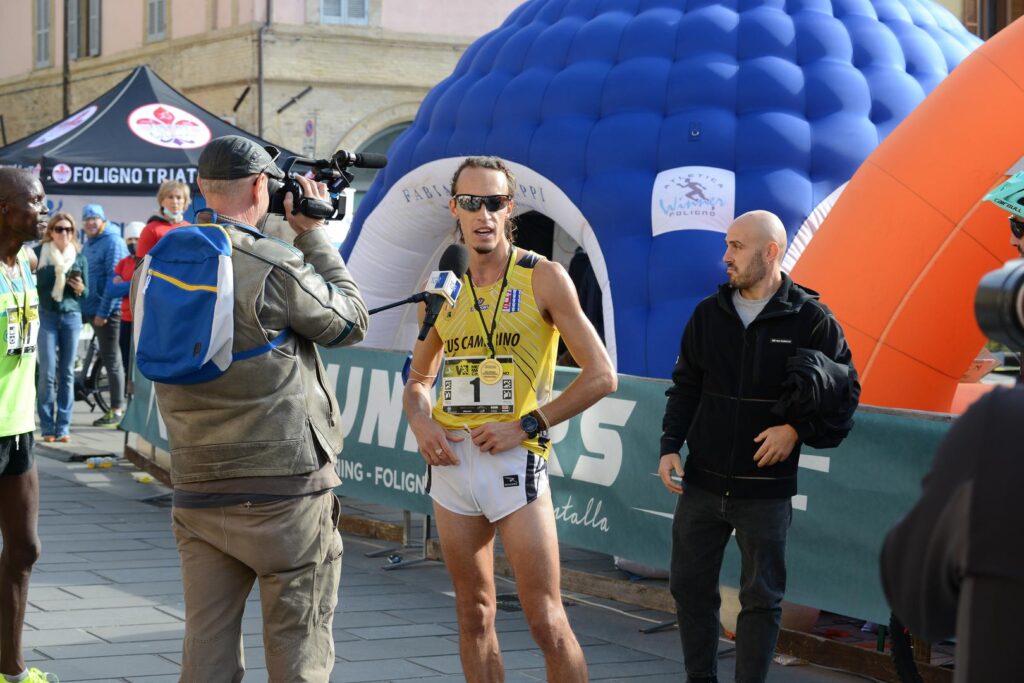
(693, 198)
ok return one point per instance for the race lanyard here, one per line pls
(490, 370)
(22, 324)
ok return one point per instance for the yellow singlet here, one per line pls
(524, 343)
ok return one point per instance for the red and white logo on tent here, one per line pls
(65, 126)
(61, 174)
(167, 126)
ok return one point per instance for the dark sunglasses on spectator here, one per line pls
(473, 202)
(63, 228)
(1017, 227)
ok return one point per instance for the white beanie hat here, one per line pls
(133, 229)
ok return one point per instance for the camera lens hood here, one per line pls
(999, 304)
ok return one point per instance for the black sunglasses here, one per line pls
(473, 202)
(274, 153)
(1017, 227)
(63, 228)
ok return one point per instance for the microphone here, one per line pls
(455, 259)
(359, 160)
(444, 284)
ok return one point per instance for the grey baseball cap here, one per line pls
(233, 156)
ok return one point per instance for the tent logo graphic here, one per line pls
(64, 127)
(167, 126)
(61, 174)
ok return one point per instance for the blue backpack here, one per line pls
(184, 311)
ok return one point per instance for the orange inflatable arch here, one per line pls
(900, 255)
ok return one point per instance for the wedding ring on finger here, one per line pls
(438, 451)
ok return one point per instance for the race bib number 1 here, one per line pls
(463, 392)
(22, 335)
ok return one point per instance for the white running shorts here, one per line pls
(493, 485)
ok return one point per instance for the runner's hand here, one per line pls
(433, 443)
(495, 437)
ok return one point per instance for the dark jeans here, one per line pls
(701, 528)
(110, 351)
(125, 342)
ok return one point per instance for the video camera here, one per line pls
(999, 304)
(333, 172)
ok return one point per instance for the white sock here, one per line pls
(20, 677)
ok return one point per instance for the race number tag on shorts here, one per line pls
(465, 393)
(22, 335)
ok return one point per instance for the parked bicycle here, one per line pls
(91, 382)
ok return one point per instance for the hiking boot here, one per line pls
(110, 420)
(34, 676)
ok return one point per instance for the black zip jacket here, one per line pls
(727, 379)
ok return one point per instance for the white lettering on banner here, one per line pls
(383, 408)
(125, 175)
(597, 439)
(350, 471)
(155, 176)
(400, 481)
(352, 393)
(810, 461)
(590, 517)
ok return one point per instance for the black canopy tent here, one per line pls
(117, 149)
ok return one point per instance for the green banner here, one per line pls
(605, 487)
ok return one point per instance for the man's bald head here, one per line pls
(765, 227)
(755, 244)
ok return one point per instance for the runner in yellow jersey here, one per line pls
(23, 214)
(485, 440)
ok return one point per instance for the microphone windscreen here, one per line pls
(456, 259)
(370, 160)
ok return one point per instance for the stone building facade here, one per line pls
(367, 63)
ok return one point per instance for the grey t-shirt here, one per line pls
(748, 309)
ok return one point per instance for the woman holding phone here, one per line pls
(61, 279)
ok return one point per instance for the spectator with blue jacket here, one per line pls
(104, 248)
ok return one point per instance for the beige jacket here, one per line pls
(266, 415)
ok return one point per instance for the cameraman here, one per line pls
(954, 564)
(253, 451)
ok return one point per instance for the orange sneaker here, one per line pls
(64, 439)
(49, 438)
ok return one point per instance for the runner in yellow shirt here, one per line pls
(486, 439)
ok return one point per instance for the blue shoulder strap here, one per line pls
(272, 344)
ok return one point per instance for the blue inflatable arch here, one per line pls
(642, 128)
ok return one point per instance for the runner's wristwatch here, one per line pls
(531, 425)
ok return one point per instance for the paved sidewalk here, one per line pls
(106, 603)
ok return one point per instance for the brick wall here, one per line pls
(362, 79)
